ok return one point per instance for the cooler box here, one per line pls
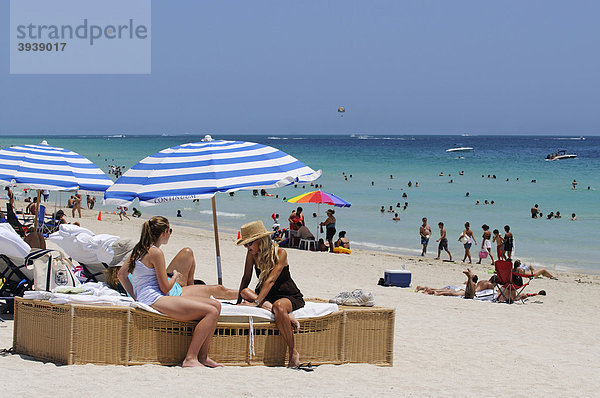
(397, 277)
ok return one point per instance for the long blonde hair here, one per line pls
(266, 258)
(151, 231)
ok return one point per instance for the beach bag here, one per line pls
(483, 254)
(52, 268)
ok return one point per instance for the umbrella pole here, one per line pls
(218, 250)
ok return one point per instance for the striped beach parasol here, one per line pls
(47, 167)
(201, 169)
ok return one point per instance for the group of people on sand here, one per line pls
(473, 285)
(302, 232)
(504, 244)
(170, 289)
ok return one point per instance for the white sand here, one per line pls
(443, 346)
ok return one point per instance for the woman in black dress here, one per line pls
(276, 291)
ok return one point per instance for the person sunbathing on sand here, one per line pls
(472, 286)
(529, 270)
(177, 297)
(276, 291)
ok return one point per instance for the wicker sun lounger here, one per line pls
(80, 334)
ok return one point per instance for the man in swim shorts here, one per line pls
(443, 242)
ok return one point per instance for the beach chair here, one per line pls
(12, 219)
(16, 275)
(46, 225)
(509, 283)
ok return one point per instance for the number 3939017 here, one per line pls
(41, 46)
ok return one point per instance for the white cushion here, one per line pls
(11, 243)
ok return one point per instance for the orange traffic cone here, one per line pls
(239, 235)
(99, 216)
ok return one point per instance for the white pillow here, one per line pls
(11, 243)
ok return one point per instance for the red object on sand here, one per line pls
(99, 216)
(239, 235)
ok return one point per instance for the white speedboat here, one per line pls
(560, 155)
(460, 149)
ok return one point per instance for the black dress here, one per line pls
(284, 287)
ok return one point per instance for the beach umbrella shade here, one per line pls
(46, 167)
(199, 170)
(319, 197)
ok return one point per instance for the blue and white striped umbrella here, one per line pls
(47, 167)
(201, 169)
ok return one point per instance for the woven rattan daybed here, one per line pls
(80, 334)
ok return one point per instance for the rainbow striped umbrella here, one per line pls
(320, 197)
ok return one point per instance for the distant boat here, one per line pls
(560, 155)
(580, 138)
(207, 138)
(460, 149)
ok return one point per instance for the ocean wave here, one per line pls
(277, 138)
(223, 214)
(115, 136)
(378, 246)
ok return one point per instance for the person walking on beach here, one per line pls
(508, 243)
(486, 244)
(177, 297)
(76, 205)
(467, 239)
(425, 233)
(276, 290)
(443, 241)
(329, 224)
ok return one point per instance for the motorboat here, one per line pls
(460, 149)
(560, 155)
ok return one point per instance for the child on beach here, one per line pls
(486, 244)
(499, 240)
(276, 291)
(177, 297)
(508, 242)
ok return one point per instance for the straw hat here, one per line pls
(252, 231)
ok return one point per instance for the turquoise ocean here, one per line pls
(515, 161)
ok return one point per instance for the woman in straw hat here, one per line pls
(276, 291)
(177, 297)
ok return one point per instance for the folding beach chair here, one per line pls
(46, 225)
(16, 275)
(12, 219)
(509, 283)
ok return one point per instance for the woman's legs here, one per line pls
(185, 263)
(206, 291)
(186, 309)
(281, 310)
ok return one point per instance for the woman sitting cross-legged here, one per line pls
(177, 297)
(276, 291)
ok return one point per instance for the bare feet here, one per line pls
(212, 364)
(191, 363)
(294, 360)
(437, 258)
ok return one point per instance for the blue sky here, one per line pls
(283, 67)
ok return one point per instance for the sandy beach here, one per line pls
(443, 346)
